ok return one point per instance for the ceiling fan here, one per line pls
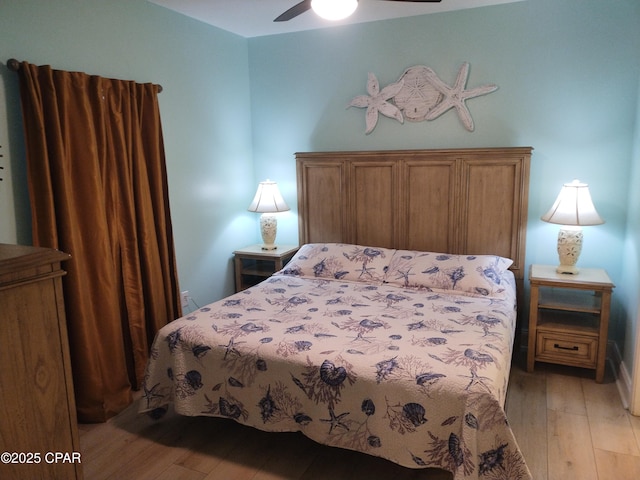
(306, 5)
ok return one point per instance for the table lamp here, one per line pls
(573, 209)
(268, 201)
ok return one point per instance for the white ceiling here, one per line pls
(254, 18)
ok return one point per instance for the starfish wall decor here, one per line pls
(419, 95)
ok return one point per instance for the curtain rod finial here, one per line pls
(13, 64)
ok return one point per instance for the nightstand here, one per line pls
(569, 318)
(252, 264)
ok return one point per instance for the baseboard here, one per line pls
(623, 378)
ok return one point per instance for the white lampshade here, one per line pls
(573, 206)
(334, 9)
(573, 209)
(268, 201)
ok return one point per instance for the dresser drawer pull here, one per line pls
(574, 348)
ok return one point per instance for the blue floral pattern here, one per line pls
(346, 345)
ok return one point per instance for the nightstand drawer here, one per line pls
(577, 350)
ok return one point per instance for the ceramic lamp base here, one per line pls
(268, 230)
(569, 248)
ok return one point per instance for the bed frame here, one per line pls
(471, 201)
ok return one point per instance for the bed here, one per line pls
(369, 339)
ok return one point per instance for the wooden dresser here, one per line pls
(38, 421)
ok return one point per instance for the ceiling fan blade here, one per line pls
(294, 11)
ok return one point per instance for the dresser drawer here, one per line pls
(567, 349)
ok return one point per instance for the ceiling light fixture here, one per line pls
(334, 9)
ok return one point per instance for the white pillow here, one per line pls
(478, 274)
(340, 261)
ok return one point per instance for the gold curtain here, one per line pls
(98, 189)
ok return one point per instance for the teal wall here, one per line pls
(567, 74)
(204, 106)
(568, 86)
(629, 286)
(235, 110)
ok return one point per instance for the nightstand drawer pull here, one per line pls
(575, 348)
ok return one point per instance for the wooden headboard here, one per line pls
(471, 201)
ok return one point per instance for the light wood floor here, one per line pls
(568, 428)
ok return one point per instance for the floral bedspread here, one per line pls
(400, 354)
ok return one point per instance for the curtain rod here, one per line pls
(14, 65)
